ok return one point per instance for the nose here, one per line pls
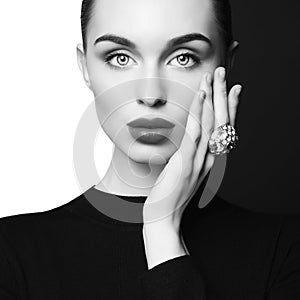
(151, 92)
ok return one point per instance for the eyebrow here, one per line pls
(171, 43)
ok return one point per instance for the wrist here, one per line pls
(169, 223)
(162, 242)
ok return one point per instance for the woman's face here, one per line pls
(149, 26)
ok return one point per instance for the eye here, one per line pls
(118, 60)
(185, 58)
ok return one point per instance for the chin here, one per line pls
(154, 154)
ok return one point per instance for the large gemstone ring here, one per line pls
(223, 139)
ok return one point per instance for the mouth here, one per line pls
(155, 123)
(150, 135)
(150, 131)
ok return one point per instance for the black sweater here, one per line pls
(76, 252)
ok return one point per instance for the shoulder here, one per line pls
(26, 226)
(286, 225)
(222, 219)
(242, 220)
(268, 242)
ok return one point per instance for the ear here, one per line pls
(231, 54)
(81, 60)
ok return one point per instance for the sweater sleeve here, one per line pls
(175, 279)
(8, 283)
(285, 281)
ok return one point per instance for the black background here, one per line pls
(262, 173)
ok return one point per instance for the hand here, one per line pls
(186, 169)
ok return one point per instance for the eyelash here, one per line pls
(195, 57)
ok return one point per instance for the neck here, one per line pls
(127, 177)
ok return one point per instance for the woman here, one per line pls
(157, 244)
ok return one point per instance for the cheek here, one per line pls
(100, 79)
(211, 64)
(100, 82)
(115, 129)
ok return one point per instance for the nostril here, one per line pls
(152, 101)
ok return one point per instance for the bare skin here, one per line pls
(173, 191)
(169, 185)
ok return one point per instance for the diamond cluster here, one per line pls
(223, 139)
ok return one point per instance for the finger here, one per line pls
(233, 101)
(206, 85)
(220, 97)
(207, 165)
(208, 113)
(207, 122)
(193, 131)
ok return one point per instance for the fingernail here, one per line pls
(208, 78)
(222, 73)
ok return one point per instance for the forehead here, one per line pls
(151, 21)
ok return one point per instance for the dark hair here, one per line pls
(223, 17)
(87, 8)
(222, 10)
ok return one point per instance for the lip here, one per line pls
(150, 136)
(151, 123)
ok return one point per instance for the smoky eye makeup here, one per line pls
(182, 57)
(120, 58)
(185, 59)
(182, 61)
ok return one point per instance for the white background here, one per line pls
(43, 97)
